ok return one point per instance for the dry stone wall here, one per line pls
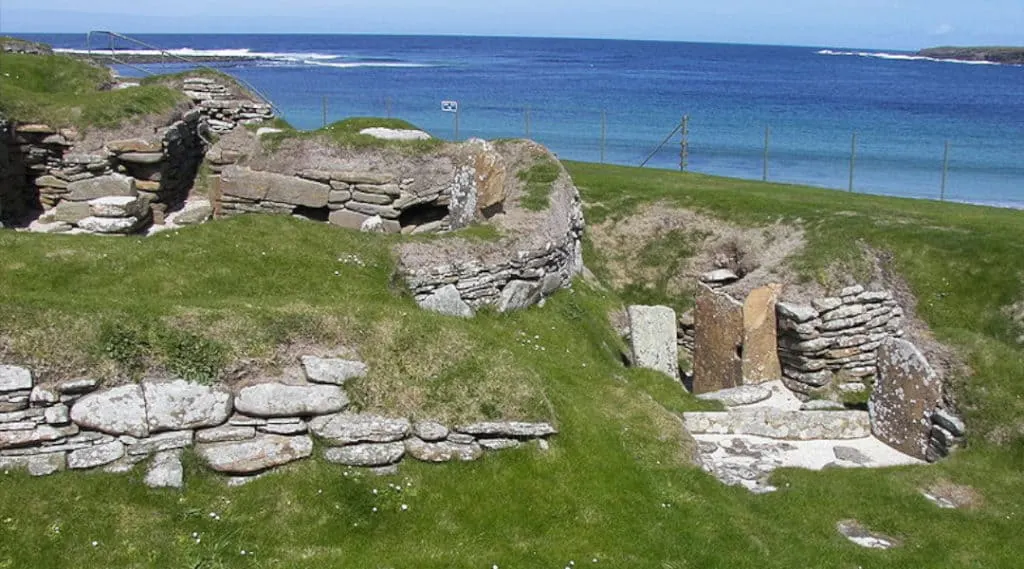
(834, 341)
(223, 108)
(242, 432)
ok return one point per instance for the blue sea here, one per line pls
(567, 92)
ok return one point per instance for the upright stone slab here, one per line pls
(653, 339)
(906, 394)
(760, 336)
(718, 346)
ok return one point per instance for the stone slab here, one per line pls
(653, 339)
(760, 362)
(906, 394)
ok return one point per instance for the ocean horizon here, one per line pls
(564, 92)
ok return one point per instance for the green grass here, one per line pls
(616, 486)
(345, 133)
(539, 179)
(65, 92)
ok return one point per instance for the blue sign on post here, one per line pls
(452, 107)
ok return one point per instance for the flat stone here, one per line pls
(125, 464)
(796, 312)
(717, 361)
(851, 291)
(332, 370)
(102, 186)
(519, 295)
(826, 304)
(499, 444)
(166, 471)
(720, 276)
(255, 455)
(447, 300)
(177, 405)
(368, 454)
(110, 225)
(395, 134)
(377, 199)
(508, 430)
(442, 451)
(738, 396)
(297, 428)
(161, 442)
(51, 182)
(280, 400)
(39, 226)
(350, 177)
(904, 398)
(653, 339)
(822, 405)
(40, 434)
(461, 438)
(779, 424)
(349, 428)
(194, 213)
(430, 431)
(241, 182)
(70, 212)
(116, 206)
(370, 210)
(78, 386)
(41, 396)
(36, 465)
(14, 378)
(142, 157)
(58, 415)
(850, 454)
(856, 533)
(117, 411)
(225, 433)
(135, 145)
(347, 219)
(94, 456)
(760, 362)
(950, 422)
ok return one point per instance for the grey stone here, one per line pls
(826, 304)
(851, 291)
(653, 339)
(850, 454)
(116, 206)
(442, 451)
(117, 411)
(142, 157)
(43, 396)
(71, 212)
(166, 471)
(102, 186)
(33, 414)
(822, 405)
(447, 300)
(950, 422)
(518, 295)
(367, 454)
(241, 182)
(58, 415)
(332, 370)
(347, 219)
(36, 465)
(904, 398)
(280, 400)
(349, 428)
(161, 442)
(779, 424)
(39, 226)
(18, 426)
(255, 455)
(720, 276)
(377, 199)
(78, 386)
(14, 378)
(125, 464)
(508, 430)
(738, 396)
(194, 212)
(842, 313)
(796, 312)
(430, 431)
(178, 404)
(297, 428)
(374, 178)
(94, 456)
(384, 211)
(856, 533)
(461, 438)
(110, 225)
(499, 444)
(225, 433)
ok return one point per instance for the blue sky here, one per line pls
(893, 24)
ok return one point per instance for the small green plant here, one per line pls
(193, 357)
(539, 179)
(127, 345)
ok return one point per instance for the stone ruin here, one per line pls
(241, 432)
(782, 371)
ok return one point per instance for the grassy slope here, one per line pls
(62, 91)
(346, 133)
(612, 488)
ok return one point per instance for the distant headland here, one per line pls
(1007, 55)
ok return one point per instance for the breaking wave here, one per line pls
(314, 59)
(900, 57)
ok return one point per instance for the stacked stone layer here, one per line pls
(835, 340)
(223, 110)
(76, 426)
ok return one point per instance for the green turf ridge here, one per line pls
(616, 486)
(346, 133)
(62, 91)
(539, 179)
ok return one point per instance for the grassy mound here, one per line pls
(616, 489)
(346, 134)
(62, 91)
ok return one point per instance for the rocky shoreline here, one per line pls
(1004, 55)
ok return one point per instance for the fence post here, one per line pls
(945, 169)
(684, 144)
(458, 110)
(527, 117)
(387, 106)
(604, 133)
(764, 165)
(324, 103)
(853, 157)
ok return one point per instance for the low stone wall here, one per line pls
(223, 108)
(779, 424)
(241, 432)
(834, 340)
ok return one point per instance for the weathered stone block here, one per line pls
(350, 428)
(519, 295)
(91, 457)
(447, 300)
(760, 362)
(255, 455)
(280, 400)
(366, 455)
(117, 206)
(332, 370)
(102, 186)
(442, 451)
(178, 405)
(905, 396)
(718, 345)
(347, 219)
(14, 378)
(117, 411)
